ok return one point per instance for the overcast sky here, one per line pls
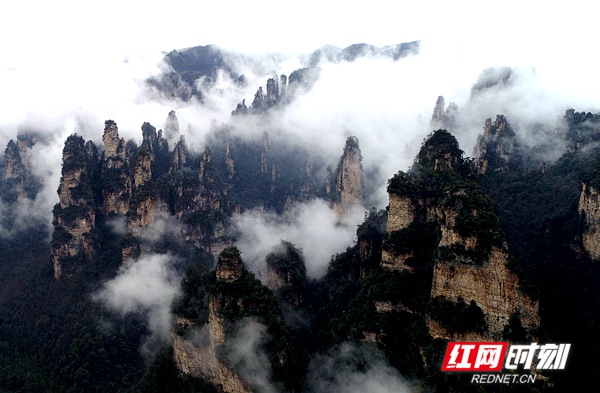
(46, 43)
(264, 25)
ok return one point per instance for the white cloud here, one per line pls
(311, 226)
(245, 352)
(146, 286)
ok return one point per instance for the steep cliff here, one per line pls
(199, 357)
(277, 92)
(73, 239)
(349, 179)
(18, 182)
(143, 204)
(116, 180)
(263, 101)
(286, 273)
(172, 127)
(214, 307)
(179, 156)
(439, 208)
(15, 173)
(497, 148)
(443, 117)
(203, 206)
(589, 210)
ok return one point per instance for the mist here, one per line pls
(354, 368)
(311, 226)
(146, 286)
(244, 351)
(386, 104)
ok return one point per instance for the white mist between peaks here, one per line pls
(313, 227)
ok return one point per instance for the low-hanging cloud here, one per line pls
(354, 368)
(312, 226)
(146, 286)
(44, 164)
(244, 351)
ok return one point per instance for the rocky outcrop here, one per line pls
(139, 183)
(263, 101)
(157, 147)
(230, 267)
(15, 171)
(264, 153)
(276, 93)
(73, 242)
(443, 117)
(286, 272)
(202, 362)
(179, 156)
(151, 161)
(453, 216)
(201, 203)
(145, 203)
(589, 210)
(116, 180)
(142, 172)
(200, 348)
(369, 240)
(172, 127)
(13, 164)
(18, 181)
(493, 287)
(497, 148)
(349, 179)
(114, 146)
(229, 161)
(402, 211)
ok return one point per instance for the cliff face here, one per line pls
(141, 183)
(286, 273)
(203, 363)
(15, 172)
(199, 357)
(19, 182)
(202, 205)
(443, 117)
(172, 126)
(453, 216)
(589, 210)
(179, 156)
(493, 287)
(263, 101)
(117, 185)
(74, 216)
(13, 164)
(201, 347)
(401, 213)
(497, 148)
(349, 179)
